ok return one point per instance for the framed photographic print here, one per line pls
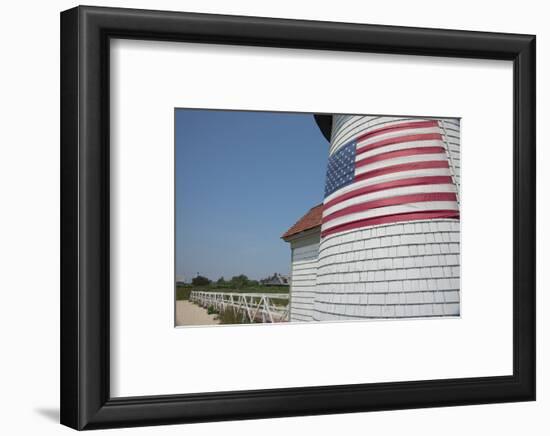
(352, 206)
(378, 236)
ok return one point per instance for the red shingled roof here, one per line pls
(309, 221)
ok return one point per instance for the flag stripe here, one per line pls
(391, 201)
(395, 218)
(402, 167)
(388, 193)
(433, 172)
(398, 139)
(397, 127)
(399, 153)
(399, 134)
(400, 183)
(400, 160)
(400, 146)
(391, 210)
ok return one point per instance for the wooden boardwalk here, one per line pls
(254, 307)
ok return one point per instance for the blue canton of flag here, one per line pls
(341, 168)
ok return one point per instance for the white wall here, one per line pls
(303, 276)
(29, 230)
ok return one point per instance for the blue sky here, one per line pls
(243, 178)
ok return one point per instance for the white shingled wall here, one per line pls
(394, 270)
(305, 252)
(399, 270)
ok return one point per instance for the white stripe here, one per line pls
(388, 193)
(389, 178)
(362, 125)
(394, 134)
(391, 210)
(401, 160)
(400, 146)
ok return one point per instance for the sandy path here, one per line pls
(188, 313)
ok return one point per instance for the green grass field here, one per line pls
(183, 291)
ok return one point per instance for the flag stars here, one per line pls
(341, 168)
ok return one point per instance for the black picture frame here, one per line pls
(85, 398)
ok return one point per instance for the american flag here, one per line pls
(398, 172)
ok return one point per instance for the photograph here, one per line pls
(310, 217)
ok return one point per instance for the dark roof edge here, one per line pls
(292, 229)
(303, 234)
(325, 124)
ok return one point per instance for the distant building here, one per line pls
(275, 280)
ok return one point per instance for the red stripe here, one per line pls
(402, 167)
(397, 127)
(399, 153)
(391, 201)
(398, 140)
(414, 181)
(434, 214)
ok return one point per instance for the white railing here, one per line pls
(253, 307)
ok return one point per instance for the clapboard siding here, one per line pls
(305, 252)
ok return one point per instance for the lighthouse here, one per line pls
(385, 241)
